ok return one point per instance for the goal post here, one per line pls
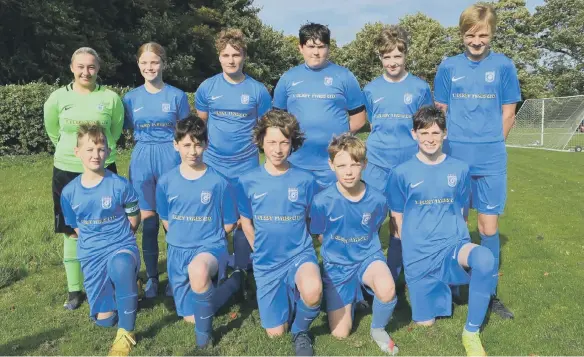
(550, 124)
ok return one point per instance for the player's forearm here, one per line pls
(248, 231)
(357, 121)
(203, 115)
(441, 106)
(508, 118)
(134, 222)
(398, 220)
(165, 225)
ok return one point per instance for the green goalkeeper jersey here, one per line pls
(66, 110)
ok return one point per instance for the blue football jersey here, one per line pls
(196, 210)
(234, 110)
(101, 214)
(278, 206)
(475, 93)
(390, 109)
(350, 229)
(320, 100)
(431, 199)
(154, 116)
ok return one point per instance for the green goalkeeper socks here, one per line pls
(72, 265)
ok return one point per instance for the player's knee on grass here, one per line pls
(341, 322)
(277, 331)
(426, 323)
(488, 224)
(190, 319)
(201, 269)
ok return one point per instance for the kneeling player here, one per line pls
(196, 205)
(273, 202)
(102, 207)
(349, 214)
(428, 194)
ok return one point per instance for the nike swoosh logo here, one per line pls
(75, 207)
(492, 207)
(296, 83)
(335, 219)
(378, 100)
(416, 185)
(217, 97)
(456, 79)
(204, 318)
(172, 198)
(138, 109)
(255, 196)
(129, 312)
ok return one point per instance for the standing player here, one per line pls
(273, 203)
(197, 207)
(349, 214)
(324, 97)
(232, 102)
(68, 107)
(428, 194)
(478, 90)
(391, 100)
(152, 111)
(102, 208)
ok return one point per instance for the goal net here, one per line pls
(549, 123)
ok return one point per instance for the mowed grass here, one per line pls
(541, 279)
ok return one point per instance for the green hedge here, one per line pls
(22, 130)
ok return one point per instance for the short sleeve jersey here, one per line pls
(153, 116)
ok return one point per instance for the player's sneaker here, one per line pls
(151, 289)
(302, 344)
(123, 343)
(74, 300)
(497, 307)
(384, 341)
(472, 343)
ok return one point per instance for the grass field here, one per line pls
(542, 275)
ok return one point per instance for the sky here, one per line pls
(346, 17)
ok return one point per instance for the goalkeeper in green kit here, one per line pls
(79, 102)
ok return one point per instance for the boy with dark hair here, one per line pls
(197, 208)
(428, 194)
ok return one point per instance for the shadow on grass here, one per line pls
(46, 340)
(10, 275)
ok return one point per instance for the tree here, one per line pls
(560, 27)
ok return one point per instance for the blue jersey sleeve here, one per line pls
(281, 94)
(426, 98)
(311, 190)
(130, 199)
(317, 219)
(183, 107)
(68, 214)
(383, 210)
(355, 98)
(243, 202)
(229, 207)
(128, 119)
(161, 201)
(201, 102)
(510, 85)
(396, 193)
(464, 188)
(264, 101)
(442, 84)
(368, 104)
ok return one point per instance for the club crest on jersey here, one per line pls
(205, 197)
(292, 194)
(100, 107)
(166, 107)
(245, 99)
(106, 202)
(366, 218)
(408, 98)
(328, 81)
(490, 76)
(452, 180)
